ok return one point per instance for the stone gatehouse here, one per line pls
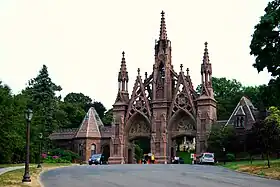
(162, 107)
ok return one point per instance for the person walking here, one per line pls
(153, 158)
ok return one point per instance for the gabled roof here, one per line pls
(243, 105)
(90, 125)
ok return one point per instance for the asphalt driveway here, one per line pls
(151, 176)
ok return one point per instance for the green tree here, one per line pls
(77, 98)
(11, 126)
(274, 115)
(267, 133)
(108, 117)
(42, 94)
(85, 102)
(222, 137)
(227, 94)
(265, 44)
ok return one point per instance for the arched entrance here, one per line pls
(182, 135)
(137, 138)
(93, 149)
(106, 152)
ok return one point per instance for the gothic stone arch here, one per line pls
(182, 123)
(137, 126)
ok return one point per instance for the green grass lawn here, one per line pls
(14, 178)
(258, 167)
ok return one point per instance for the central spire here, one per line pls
(163, 34)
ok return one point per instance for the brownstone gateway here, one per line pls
(163, 109)
(163, 106)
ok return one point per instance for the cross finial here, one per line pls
(206, 43)
(162, 13)
(181, 67)
(138, 70)
(188, 71)
(123, 53)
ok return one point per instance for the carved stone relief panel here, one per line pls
(139, 128)
(183, 125)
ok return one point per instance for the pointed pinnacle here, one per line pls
(162, 35)
(206, 55)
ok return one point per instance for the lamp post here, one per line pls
(28, 117)
(82, 153)
(40, 150)
(224, 151)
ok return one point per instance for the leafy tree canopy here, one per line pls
(265, 44)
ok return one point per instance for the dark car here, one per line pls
(179, 161)
(96, 159)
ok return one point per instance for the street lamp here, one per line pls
(81, 152)
(224, 151)
(40, 150)
(28, 117)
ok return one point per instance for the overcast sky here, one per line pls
(81, 41)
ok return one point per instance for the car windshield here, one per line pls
(208, 155)
(96, 156)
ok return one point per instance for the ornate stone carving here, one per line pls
(154, 137)
(199, 113)
(184, 125)
(163, 117)
(163, 136)
(139, 127)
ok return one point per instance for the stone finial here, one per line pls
(138, 70)
(123, 53)
(146, 75)
(188, 72)
(163, 33)
(206, 59)
(181, 67)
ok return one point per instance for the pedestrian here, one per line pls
(153, 158)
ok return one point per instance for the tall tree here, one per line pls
(267, 134)
(42, 92)
(12, 125)
(265, 44)
(227, 93)
(77, 98)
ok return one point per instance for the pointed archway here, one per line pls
(181, 134)
(137, 133)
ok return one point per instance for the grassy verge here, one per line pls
(258, 167)
(13, 178)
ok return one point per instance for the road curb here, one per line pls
(43, 171)
(250, 174)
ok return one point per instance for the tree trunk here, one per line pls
(251, 158)
(268, 162)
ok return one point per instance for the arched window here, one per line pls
(93, 149)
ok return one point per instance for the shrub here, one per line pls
(59, 156)
(230, 157)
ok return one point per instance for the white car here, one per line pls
(206, 158)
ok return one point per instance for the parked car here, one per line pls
(206, 158)
(96, 159)
(179, 160)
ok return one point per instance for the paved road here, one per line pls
(151, 176)
(4, 170)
